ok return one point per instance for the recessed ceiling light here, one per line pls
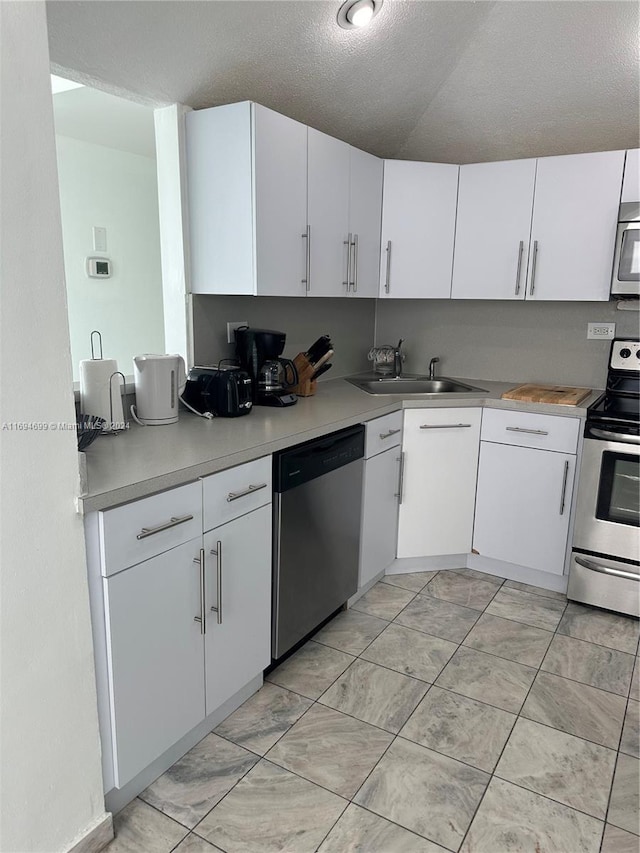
(358, 13)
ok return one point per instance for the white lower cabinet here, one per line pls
(381, 492)
(237, 604)
(440, 467)
(155, 657)
(523, 505)
(184, 626)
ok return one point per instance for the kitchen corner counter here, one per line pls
(146, 460)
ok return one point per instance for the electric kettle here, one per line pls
(159, 382)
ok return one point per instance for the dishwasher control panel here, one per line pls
(305, 462)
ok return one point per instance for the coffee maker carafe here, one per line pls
(272, 377)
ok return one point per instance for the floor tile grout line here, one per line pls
(164, 814)
(395, 736)
(547, 797)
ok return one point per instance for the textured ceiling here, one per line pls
(428, 80)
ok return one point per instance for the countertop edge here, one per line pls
(378, 407)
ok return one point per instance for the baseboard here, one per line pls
(95, 839)
(510, 571)
(365, 588)
(404, 565)
(117, 798)
(522, 574)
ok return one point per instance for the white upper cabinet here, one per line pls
(247, 191)
(365, 215)
(280, 146)
(575, 216)
(492, 230)
(328, 214)
(631, 182)
(418, 226)
(538, 229)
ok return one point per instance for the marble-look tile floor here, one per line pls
(446, 711)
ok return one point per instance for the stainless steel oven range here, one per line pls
(605, 561)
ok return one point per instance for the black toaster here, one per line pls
(224, 391)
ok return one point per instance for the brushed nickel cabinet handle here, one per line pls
(202, 618)
(347, 243)
(233, 496)
(307, 279)
(533, 267)
(173, 522)
(354, 268)
(387, 283)
(218, 555)
(530, 431)
(399, 493)
(563, 493)
(444, 426)
(519, 269)
(391, 432)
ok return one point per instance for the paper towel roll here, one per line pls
(98, 392)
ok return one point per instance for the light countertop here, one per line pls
(146, 460)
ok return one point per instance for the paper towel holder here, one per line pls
(109, 428)
(93, 355)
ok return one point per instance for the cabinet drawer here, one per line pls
(382, 433)
(236, 491)
(526, 429)
(139, 530)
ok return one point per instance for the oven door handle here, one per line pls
(614, 436)
(605, 570)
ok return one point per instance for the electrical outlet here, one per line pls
(234, 325)
(601, 331)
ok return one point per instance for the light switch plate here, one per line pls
(99, 239)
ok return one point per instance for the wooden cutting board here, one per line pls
(559, 394)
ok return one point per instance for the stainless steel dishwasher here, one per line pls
(316, 516)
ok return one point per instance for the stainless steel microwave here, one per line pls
(626, 264)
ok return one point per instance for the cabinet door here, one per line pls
(328, 214)
(440, 468)
(365, 216)
(379, 514)
(418, 226)
(155, 657)
(280, 152)
(495, 201)
(523, 506)
(238, 634)
(631, 182)
(221, 225)
(575, 217)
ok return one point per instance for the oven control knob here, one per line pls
(625, 352)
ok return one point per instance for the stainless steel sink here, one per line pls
(409, 384)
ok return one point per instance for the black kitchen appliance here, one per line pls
(224, 391)
(258, 352)
(605, 561)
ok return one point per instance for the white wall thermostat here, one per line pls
(98, 267)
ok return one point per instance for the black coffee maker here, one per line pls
(272, 377)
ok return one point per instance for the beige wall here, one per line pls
(50, 783)
(505, 341)
(350, 322)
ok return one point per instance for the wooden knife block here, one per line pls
(306, 387)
